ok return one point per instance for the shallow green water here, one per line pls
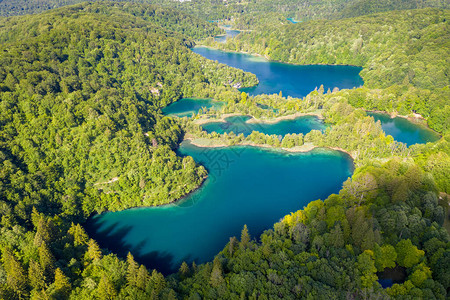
(188, 106)
(238, 125)
(405, 131)
(246, 185)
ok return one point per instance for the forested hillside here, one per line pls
(81, 131)
(404, 55)
(82, 89)
(301, 10)
(333, 249)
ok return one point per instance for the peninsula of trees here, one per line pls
(82, 132)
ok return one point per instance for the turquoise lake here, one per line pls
(238, 125)
(403, 130)
(246, 185)
(188, 106)
(291, 80)
(292, 20)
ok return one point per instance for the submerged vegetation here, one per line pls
(81, 131)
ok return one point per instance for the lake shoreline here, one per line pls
(415, 118)
(278, 61)
(297, 149)
(172, 202)
(254, 120)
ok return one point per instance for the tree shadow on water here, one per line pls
(113, 238)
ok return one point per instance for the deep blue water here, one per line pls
(291, 80)
(188, 106)
(405, 131)
(238, 125)
(246, 185)
(385, 283)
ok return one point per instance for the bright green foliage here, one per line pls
(245, 238)
(16, 280)
(93, 252)
(407, 254)
(385, 257)
(106, 289)
(132, 271)
(81, 131)
(366, 266)
(61, 286)
(36, 275)
(81, 90)
(389, 46)
(304, 254)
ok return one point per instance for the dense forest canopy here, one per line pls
(81, 131)
(301, 10)
(82, 89)
(404, 55)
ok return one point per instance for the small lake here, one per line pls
(291, 80)
(292, 20)
(238, 124)
(230, 33)
(403, 130)
(187, 107)
(246, 185)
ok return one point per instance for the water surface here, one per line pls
(187, 107)
(238, 125)
(403, 130)
(291, 80)
(246, 185)
(292, 20)
(230, 33)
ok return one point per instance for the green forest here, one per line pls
(82, 132)
(404, 55)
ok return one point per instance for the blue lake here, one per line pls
(188, 106)
(230, 33)
(405, 131)
(292, 20)
(238, 125)
(246, 185)
(291, 80)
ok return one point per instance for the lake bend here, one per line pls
(245, 185)
(292, 80)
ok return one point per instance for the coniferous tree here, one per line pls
(16, 279)
(245, 238)
(36, 275)
(105, 289)
(132, 270)
(61, 284)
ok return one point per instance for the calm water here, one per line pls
(405, 131)
(230, 33)
(246, 185)
(291, 80)
(238, 125)
(292, 20)
(188, 106)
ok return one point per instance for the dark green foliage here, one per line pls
(302, 257)
(81, 90)
(404, 53)
(81, 128)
